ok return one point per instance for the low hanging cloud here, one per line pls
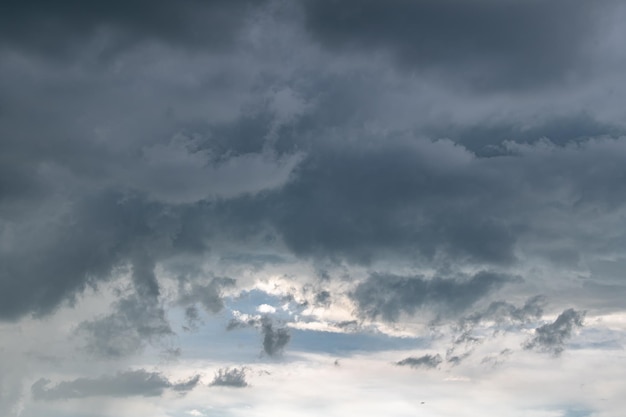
(388, 296)
(426, 361)
(189, 23)
(135, 322)
(447, 35)
(124, 384)
(230, 377)
(551, 337)
(182, 172)
(274, 339)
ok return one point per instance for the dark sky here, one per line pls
(187, 188)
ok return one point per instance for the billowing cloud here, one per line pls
(377, 176)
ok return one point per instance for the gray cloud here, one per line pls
(237, 323)
(504, 312)
(123, 384)
(498, 359)
(485, 43)
(227, 377)
(326, 211)
(274, 339)
(208, 295)
(82, 247)
(135, 322)
(551, 337)
(323, 298)
(56, 28)
(426, 361)
(388, 296)
(455, 360)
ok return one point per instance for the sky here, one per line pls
(228, 208)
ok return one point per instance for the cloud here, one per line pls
(505, 312)
(55, 29)
(426, 361)
(388, 296)
(551, 337)
(488, 39)
(123, 384)
(323, 298)
(227, 377)
(324, 211)
(135, 322)
(274, 339)
(182, 172)
(208, 295)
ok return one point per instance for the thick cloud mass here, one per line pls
(326, 176)
(486, 42)
(53, 27)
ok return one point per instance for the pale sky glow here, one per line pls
(254, 208)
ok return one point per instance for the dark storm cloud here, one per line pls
(551, 337)
(414, 199)
(355, 196)
(506, 44)
(362, 202)
(124, 384)
(80, 247)
(426, 361)
(388, 296)
(55, 27)
(227, 377)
